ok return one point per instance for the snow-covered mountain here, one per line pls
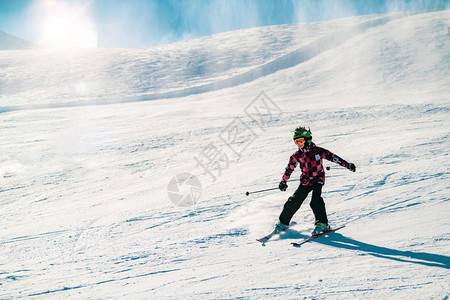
(87, 191)
(9, 42)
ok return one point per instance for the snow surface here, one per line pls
(85, 209)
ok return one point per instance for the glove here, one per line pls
(352, 167)
(283, 186)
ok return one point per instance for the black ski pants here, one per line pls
(295, 201)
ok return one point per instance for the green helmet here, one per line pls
(302, 132)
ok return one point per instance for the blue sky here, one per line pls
(145, 23)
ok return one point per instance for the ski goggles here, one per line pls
(299, 141)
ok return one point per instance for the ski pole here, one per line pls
(339, 168)
(334, 168)
(271, 189)
(248, 193)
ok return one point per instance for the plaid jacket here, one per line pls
(310, 160)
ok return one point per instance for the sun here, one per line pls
(63, 27)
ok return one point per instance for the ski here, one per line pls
(265, 239)
(298, 244)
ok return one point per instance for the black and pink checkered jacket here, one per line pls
(310, 160)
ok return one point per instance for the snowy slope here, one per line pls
(85, 211)
(105, 73)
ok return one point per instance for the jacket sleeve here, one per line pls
(328, 155)
(290, 168)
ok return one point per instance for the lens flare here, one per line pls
(66, 27)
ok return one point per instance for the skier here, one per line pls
(309, 156)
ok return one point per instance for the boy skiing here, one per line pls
(309, 156)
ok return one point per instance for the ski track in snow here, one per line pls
(85, 211)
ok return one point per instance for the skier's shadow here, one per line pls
(338, 240)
